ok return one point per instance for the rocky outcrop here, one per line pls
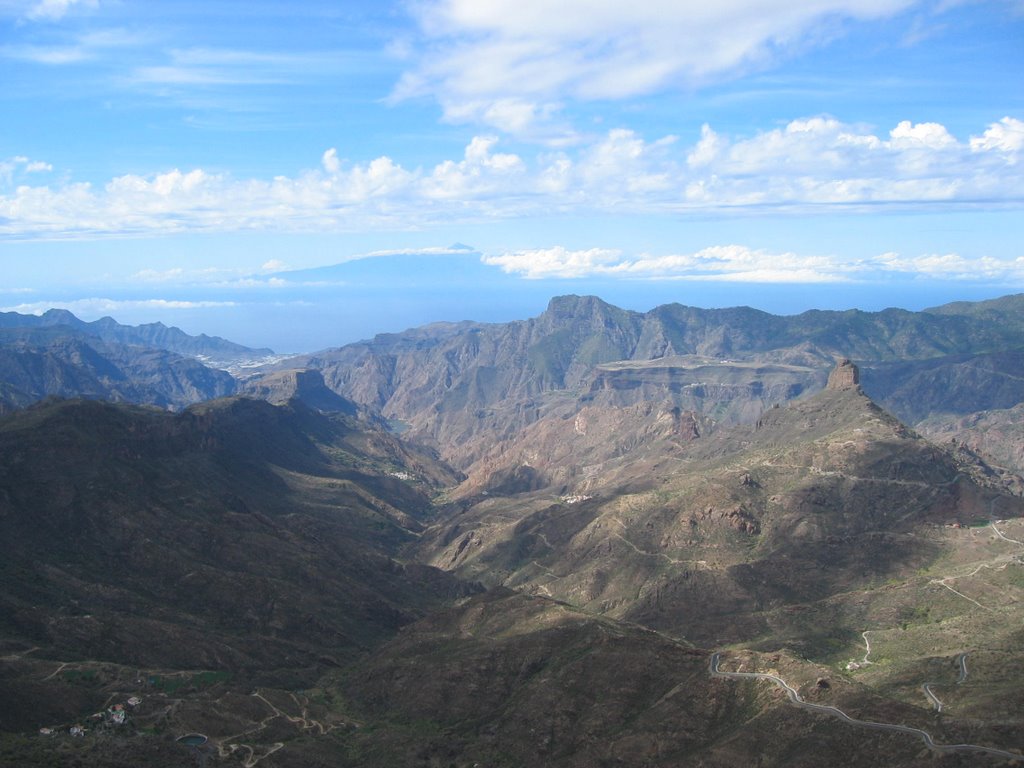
(279, 387)
(844, 376)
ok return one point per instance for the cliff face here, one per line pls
(278, 387)
(844, 376)
(462, 388)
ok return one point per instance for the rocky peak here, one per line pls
(307, 385)
(844, 376)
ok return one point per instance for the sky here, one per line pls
(303, 175)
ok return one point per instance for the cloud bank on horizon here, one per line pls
(733, 141)
(808, 165)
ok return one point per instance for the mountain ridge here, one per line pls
(746, 514)
(156, 335)
(462, 387)
(313, 580)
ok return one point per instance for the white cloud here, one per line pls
(54, 10)
(953, 266)
(824, 161)
(45, 54)
(556, 262)
(96, 307)
(214, 277)
(1006, 136)
(84, 46)
(198, 70)
(930, 135)
(481, 172)
(453, 250)
(811, 164)
(739, 263)
(330, 161)
(14, 167)
(158, 275)
(725, 262)
(477, 55)
(706, 150)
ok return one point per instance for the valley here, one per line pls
(680, 538)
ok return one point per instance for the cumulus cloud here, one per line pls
(739, 263)
(13, 167)
(330, 161)
(481, 172)
(821, 160)
(816, 163)
(1006, 136)
(523, 57)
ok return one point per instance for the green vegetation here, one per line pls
(88, 677)
(196, 682)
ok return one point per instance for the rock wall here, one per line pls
(844, 376)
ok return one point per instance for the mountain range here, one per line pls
(57, 354)
(467, 387)
(152, 335)
(598, 537)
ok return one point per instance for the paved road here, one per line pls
(963, 668)
(794, 697)
(927, 688)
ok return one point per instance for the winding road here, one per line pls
(962, 660)
(927, 688)
(867, 647)
(227, 746)
(796, 700)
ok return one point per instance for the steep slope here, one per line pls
(505, 679)
(827, 495)
(465, 387)
(58, 361)
(998, 434)
(211, 349)
(236, 535)
(308, 386)
(950, 385)
(1005, 309)
(835, 546)
(222, 564)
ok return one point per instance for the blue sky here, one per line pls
(178, 161)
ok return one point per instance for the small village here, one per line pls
(113, 716)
